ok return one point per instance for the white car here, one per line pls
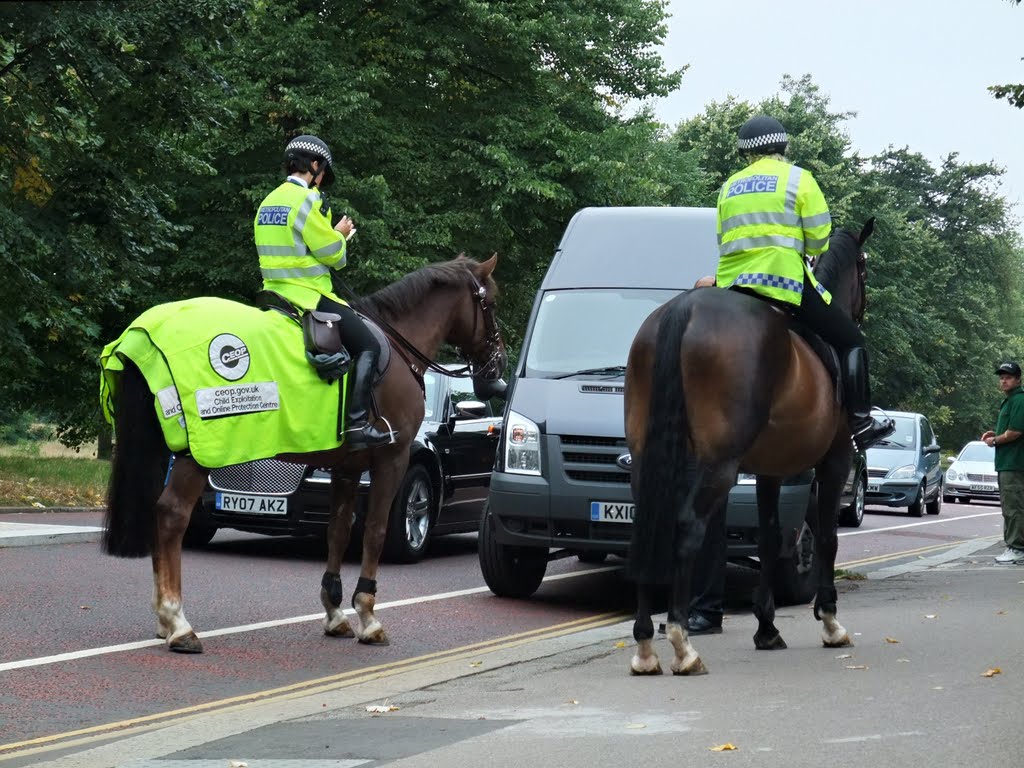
(972, 475)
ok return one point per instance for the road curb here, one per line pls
(966, 549)
(45, 510)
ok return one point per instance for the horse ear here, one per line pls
(865, 233)
(485, 268)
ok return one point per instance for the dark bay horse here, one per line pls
(720, 374)
(451, 302)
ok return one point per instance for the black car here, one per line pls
(443, 491)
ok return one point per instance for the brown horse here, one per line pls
(723, 375)
(452, 302)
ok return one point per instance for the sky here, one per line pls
(914, 71)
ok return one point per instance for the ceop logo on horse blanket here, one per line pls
(229, 356)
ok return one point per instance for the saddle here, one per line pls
(321, 333)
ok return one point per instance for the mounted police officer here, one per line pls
(298, 248)
(771, 216)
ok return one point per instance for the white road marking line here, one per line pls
(88, 652)
(860, 531)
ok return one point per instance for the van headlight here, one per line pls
(903, 473)
(522, 445)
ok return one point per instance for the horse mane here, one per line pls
(394, 301)
(840, 257)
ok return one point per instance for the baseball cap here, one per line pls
(1011, 368)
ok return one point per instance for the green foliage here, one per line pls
(1014, 94)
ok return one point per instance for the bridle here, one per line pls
(862, 282)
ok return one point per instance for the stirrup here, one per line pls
(362, 434)
(871, 431)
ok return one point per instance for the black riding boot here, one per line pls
(359, 433)
(866, 429)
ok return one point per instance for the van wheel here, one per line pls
(794, 579)
(853, 515)
(199, 532)
(411, 520)
(508, 571)
(916, 509)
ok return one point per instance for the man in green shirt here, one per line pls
(1010, 462)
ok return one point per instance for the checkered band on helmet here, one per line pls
(309, 145)
(762, 133)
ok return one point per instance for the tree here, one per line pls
(1012, 93)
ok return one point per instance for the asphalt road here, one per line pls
(78, 651)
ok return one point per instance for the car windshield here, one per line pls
(978, 452)
(431, 385)
(904, 437)
(589, 330)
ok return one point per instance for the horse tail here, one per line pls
(137, 471)
(664, 475)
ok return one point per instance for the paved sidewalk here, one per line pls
(25, 527)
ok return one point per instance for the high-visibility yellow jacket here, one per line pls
(770, 216)
(297, 245)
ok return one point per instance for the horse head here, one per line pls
(842, 269)
(475, 331)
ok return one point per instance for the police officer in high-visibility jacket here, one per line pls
(298, 248)
(771, 216)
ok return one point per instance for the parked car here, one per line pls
(972, 474)
(904, 469)
(561, 480)
(851, 505)
(443, 490)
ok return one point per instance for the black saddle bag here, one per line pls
(321, 333)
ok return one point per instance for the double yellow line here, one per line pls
(136, 725)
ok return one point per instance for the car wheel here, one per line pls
(412, 517)
(934, 506)
(508, 571)
(916, 508)
(794, 579)
(199, 532)
(592, 558)
(853, 515)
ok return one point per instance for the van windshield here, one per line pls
(585, 329)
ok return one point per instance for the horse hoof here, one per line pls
(341, 629)
(842, 642)
(188, 643)
(649, 666)
(773, 643)
(377, 637)
(694, 668)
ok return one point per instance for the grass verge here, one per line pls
(30, 481)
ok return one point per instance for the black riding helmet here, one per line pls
(762, 135)
(310, 148)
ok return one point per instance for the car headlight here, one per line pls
(522, 445)
(953, 476)
(903, 473)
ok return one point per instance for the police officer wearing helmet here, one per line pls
(771, 215)
(298, 248)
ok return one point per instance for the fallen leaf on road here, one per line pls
(856, 666)
(903, 661)
(620, 644)
(1000, 613)
(475, 663)
(572, 701)
(636, 726)
(891, 640)
(845, 656)
(931, 615)
(723, 748)
(238, 764)
(85, 607)
(992, 672)
(937, 688)
(380, 708)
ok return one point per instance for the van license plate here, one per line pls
(611, 512)
(251, 505)
(873, 488)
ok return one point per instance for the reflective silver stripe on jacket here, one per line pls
(281, 274)
(752, 219)
(300, 222)
(817, 243)
(792, 187)
(329, 249)
(767, 241)
(765, 280)
(810, 222)
(277, 250)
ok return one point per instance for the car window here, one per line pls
(927, 436)
(431, 387)
(978, 452)
(904, 437)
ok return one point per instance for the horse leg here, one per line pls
(386, 474)
(831, 474)
(687, 660)
(645, 660)
(173, 510)
(339, 530)
(767, 637)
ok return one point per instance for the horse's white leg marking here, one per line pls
(171, 620)
(835, 635)
(687, 660)
(335, 622)
(371, 630)
(645, 661)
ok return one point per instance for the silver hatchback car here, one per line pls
(904, 470)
